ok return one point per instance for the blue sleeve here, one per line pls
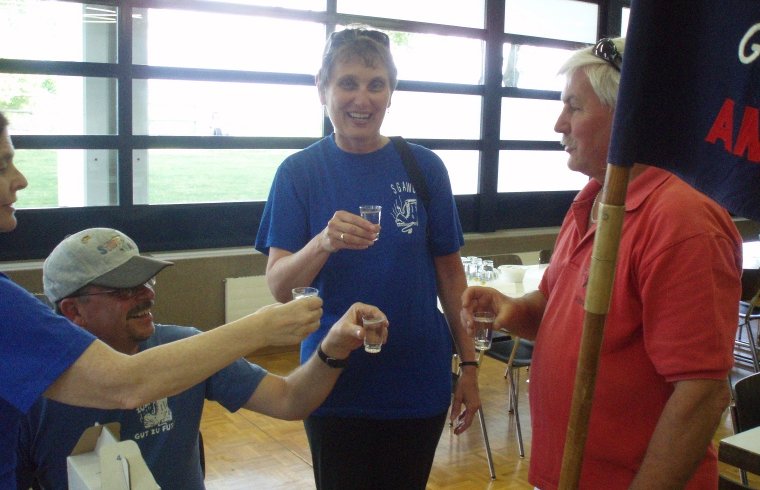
(36, 345)
(232, 386)
(285, 199)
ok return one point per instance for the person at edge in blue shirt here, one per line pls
(90, 277)
(42, 353)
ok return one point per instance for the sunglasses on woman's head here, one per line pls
(605, 49)
(339, 37)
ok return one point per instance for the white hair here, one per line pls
(604, 79)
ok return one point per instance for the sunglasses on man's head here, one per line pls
(605, 49)
(338, 37)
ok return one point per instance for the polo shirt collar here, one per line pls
(639, 189)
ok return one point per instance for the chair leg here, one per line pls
(514, 384)
(516, 411)
(489, 456)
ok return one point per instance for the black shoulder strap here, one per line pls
(412, 169)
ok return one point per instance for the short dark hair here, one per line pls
(3, 122)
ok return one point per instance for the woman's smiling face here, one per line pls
(356, 97)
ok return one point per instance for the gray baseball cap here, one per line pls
(99, 256)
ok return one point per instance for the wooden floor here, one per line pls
(248, 450)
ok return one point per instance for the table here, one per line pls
(751, 255)
(533, 275)
(742, 450)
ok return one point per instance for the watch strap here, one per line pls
(331, 361)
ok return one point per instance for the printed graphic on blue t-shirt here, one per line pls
(404, 208)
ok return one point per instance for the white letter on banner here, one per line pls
(755, 48)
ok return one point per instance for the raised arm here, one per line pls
(286, 270)
(104, 378)
(296, 395)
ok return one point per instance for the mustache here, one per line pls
(145, 305)
(567, 141)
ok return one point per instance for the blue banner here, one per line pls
(690, 96)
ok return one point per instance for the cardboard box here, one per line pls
(101, 461)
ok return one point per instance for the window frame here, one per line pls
(221, 225)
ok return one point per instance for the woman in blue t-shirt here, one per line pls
(380, 426)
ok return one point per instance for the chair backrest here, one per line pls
(501, 350)
(747, 402)
(506, 259)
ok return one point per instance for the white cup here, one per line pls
(512, 273)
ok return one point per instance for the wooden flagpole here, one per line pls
(598, 294)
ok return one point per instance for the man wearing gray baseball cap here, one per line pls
(100, 257)
(98, 280)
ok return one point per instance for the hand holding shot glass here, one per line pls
(371, 213)
(483, 329)
(375, 332)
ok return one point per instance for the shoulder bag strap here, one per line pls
(412, 169)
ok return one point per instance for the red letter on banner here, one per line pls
(748, 138)
(723, 127)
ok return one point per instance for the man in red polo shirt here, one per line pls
(668, 347)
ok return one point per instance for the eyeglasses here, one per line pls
(605, 49)
(339, 37)
(121, 293)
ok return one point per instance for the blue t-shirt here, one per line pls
(165, 430)
(36, 347)
(411, 377)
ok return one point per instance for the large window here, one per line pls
(169, 119)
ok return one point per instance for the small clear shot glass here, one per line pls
(375, 328)
(304, 292)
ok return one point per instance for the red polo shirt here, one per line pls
(672, 317)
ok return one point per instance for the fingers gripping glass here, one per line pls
(339, 37)
(606, 50)
(121, 293)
